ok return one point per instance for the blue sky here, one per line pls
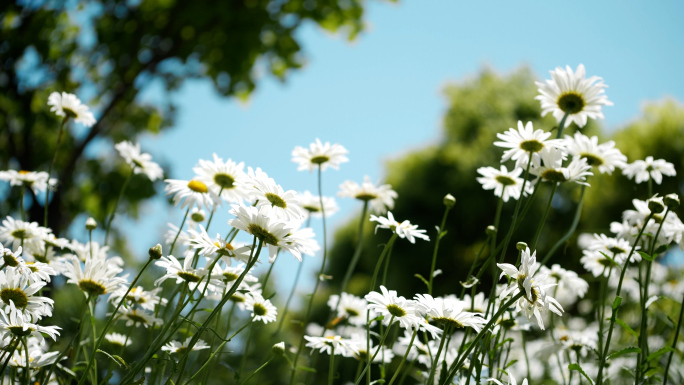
(380, 96)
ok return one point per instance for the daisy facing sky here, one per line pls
(319, 154)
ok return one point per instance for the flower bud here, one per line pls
(521, 246)
(155, 252)
(656, 205)
(671, 201)
(491, 230)
(278, 349)
(90, 224)
(449, 201)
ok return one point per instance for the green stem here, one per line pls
(472, 267)
(527, 360)
(256, 371)
(674, 342)
(403, 359)
(457, 365)
(67, 348)
(245, 353)
(435, 362)
(571, 231)
(370, 361)
(180, 229)
(357, 252)
(561, 125)
(517, 210)
(93, 357)
(110, 320)
(116, 204)
(604, 354)
(434, 252)
(543, 220)
(54, 158)
(207, 362)
(331, 369)
(27, 371)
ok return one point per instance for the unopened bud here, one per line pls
(449, 201)
(671, 201)
(521, 246)
(656, 205)
(90, 224)
(491, 230)
(155, 252)
(278, 349)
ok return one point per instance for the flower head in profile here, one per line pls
(350, 308)
(341, 346)
(504, 183)
(525, 141)
(38, 181)
(569, 92)
(319, 155)
(15, 288)
(267, 193)
(217, 247)
(192, 193)
(404, 229)
(15, 324)
(380, 198)
(643, 170)
(97, 277)
(194, 277)
(140, 297)
(511, 381)
(14, 233)
(140, 162)
(604, 156)
(449, 312)
(69, 106)
(312, 204)
(262, 309)
(138, 317)
(549, 168)
(389, 304)
(223, 178)
(118, 339)
(180, 348)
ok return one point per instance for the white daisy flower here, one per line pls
(319, 155)
(570, 93)
(140, 162)
(14, 233)
(263, 224)
(10, 258)
(342, 346)
(193, 193)
(98, 277)
(304, 239)
(596, 263)
(262, 309)
(404, 229)
(642, 170)
(138, 317)
(360, 343)
(239, 298)
(604, 156)
(36, 181)
(449, 312)
(217, 247)
(570, 285)
(525, 141)
(36, 271)
(223, 178)
(477, 304)
(511, 381)
(616, 248)
(92, 250)
(380, 198)
(15, 288)
(195, 217)
(118, 339)
(138, 296)
(535, 300)
(180, 348)
(184, 273)
(268, 193)
(351, 308)
(390, 305)
(549, 168)
(504, 183)
(37, 358)
(312, 204)
(13, 323)
(231, 274)
(69, 106)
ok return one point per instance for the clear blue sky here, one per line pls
(380, 96)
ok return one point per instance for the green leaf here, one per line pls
(611, 259)
(422, 279)
(632, 349)
(306, 369)
(119, 361)
(626, 327)
(645, 256)
(617, 302)
(510, 363)
(579, 369)
(659, 353)
(661, 249)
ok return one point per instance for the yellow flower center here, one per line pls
(276, 200)
(198, 186)
(16, 295)
(91, 287)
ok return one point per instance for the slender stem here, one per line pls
(318, 281)
(403, 359)
(10, 351)
(457, 365)
(561, 125)
(110, 320)
(370, 360)
(517, 210)
(331, 369)
(434, 252)
(674, 342)
(245, 353)
(93, 357)
(27, 371)
(116, 204)
(67, 348)
(472, 267)
(357, 252)
(289, 298)
(543, 219)
(573, 227)
(601, 363)
(54, 158)
(254, 372)
(180, 229)
(207, 362)
(435, 362)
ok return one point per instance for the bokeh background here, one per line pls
(415, 90)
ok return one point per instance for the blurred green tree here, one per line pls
(107, 52)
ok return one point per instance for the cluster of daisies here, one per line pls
(519, 330)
